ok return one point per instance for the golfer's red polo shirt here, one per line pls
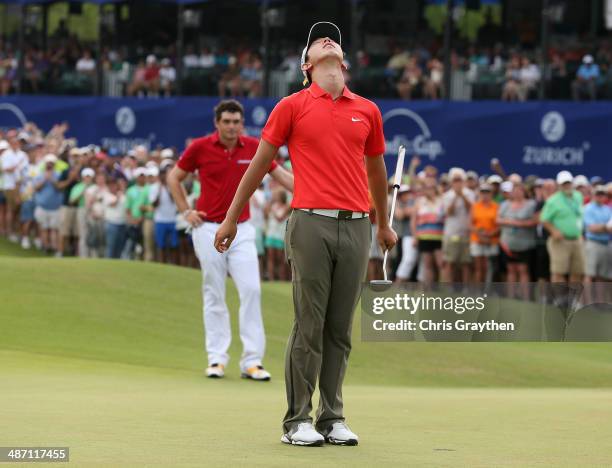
(327, 142)
(220, 171)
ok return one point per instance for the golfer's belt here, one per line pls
(338, 214)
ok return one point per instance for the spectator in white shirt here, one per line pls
(12, 162)
(167, 77)
(206, 59)
(115, 217)
(164, 216)
(86, 64)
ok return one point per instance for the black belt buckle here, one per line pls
(345, 214)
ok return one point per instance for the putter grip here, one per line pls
(399, 169)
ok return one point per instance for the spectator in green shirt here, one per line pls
(136, 200)
(77, 198)
(562, 218)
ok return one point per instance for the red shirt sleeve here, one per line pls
(278, 126)
(189, 159)
(375, 144)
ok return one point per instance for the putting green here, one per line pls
(107, 356)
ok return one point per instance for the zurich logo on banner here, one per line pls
(125, 119)
(554, 153)
(553, 127)
(409, 129)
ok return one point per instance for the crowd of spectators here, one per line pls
(453, 227)
(462, 227)
(67, 200)
(576, 71)
(579, 72)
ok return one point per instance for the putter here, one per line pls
(399, 169)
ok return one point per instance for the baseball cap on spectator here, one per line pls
(507, 186)
(588, 58)
(444, 177)
(50, 158)
(581, 181)
(151, 59)
(152, 171)
(538, 182)
(25, 136)
(318, 30)
(564, 177)
(140, 171)
(165, 164)
(486, 187)
(131, 154)
(150, 164)
(494, 179)
(403, 188)
(600, 189)
(595, 180)
(166, 153)
(471, 175)
(4, 145)
(87, 172)
(456, 173)
(515, 178)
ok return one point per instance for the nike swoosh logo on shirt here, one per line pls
(354, 119)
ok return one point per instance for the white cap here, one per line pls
(507, 186)
(581, 181)
(87, 172)
(150, 164)
(165, 163)
(166, 153)
(153, 171)
(494, 179)
(50, 158)
(23, 136)
(151, 58)
(456, 173)
(588, 58)
(4, 145)
(403, 188)
(140, 171)
(564, 176)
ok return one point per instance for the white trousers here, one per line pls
(240, 261)
(410, 255)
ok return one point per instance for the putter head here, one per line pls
(380, 285)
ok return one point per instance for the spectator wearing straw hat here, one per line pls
(457, 203)
(48, 200)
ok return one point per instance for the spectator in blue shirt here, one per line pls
(598, 257)
(48, 200)
(586, 79)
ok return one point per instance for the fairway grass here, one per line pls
(124, 415)
(107, 357)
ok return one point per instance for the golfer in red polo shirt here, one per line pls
(221, 160)
(336, 144)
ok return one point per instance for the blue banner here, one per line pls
(529, 138)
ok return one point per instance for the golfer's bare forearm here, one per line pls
(259, 167)
(175, 179)
(377, 181)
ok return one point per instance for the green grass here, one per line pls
(107, 357)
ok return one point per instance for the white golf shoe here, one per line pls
(256, 373)
(340, 434)
(303, 434)
(215, 371)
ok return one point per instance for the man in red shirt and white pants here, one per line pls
(336, 145)
(221, 159)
